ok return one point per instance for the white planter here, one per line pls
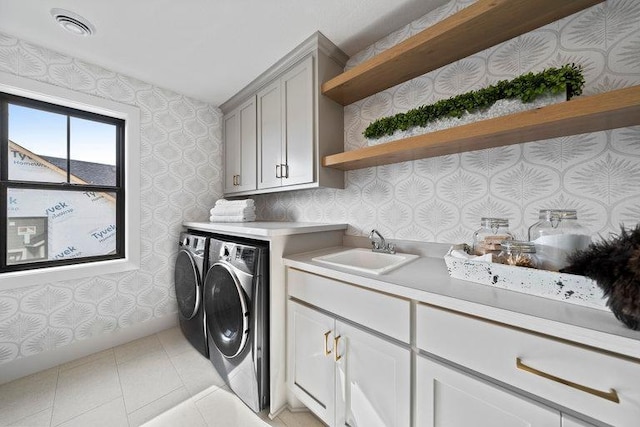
(503, 107)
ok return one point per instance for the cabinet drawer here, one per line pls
(383, 313)
(535, 363)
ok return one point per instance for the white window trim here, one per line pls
(28, 88)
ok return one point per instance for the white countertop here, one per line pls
(263, 228)
(426, 280)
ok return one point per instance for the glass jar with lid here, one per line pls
(556, 235)
(488, 238)
(519, 254)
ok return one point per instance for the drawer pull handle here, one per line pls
(611, 395)
(335, 346)
(326, 343)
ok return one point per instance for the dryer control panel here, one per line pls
(194, 244)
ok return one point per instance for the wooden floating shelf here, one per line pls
(473, 29)
(615, 109)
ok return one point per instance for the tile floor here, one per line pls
(159, 380)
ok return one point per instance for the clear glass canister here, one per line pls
(488, 238)
(556, 235)
(518, 253)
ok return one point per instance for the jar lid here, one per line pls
(518, 246)
(494, 222)
(558, 214)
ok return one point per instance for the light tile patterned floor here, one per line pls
(156, 381)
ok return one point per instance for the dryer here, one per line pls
(190, 268)
(236, 300)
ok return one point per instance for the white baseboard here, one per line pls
(24, 366)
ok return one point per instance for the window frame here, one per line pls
(127, 256)
(7, 183)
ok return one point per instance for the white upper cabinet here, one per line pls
(285, 129)
(296, 126)
(297, 107)
(240, 132)
(270, 135)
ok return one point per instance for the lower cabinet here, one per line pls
(447, 397)
(345, 375)
(568, 421)
(598, 385)
(467, 371)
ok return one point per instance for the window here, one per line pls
(85, 186)
(61, 185)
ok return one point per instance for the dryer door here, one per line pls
(187, 283)
(226, 310)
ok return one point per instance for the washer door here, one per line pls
(226, 310)
(187, 283)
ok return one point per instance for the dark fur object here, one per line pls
(615, 266)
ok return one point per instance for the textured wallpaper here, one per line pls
(180, 180)
(442, 199)
(439, 199)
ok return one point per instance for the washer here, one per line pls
(236, 299)
(190, 268)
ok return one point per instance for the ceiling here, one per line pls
(205, 49)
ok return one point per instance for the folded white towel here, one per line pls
(224, 210)
(232, 218)
(244, 202)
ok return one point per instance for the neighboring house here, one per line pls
(51, 224)
(91, 173)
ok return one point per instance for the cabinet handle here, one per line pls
(285, 169)
(278, 171)
(335, 347)
(326, 343)
(237, 179)
(235, 182)
(611, 395)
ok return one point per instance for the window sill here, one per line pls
(20, 279)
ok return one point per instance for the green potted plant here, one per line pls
(532, 89)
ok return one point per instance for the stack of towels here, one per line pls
(233, 211)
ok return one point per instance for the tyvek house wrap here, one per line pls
(52, 224)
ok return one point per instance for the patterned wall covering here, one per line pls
(180, 179)
(442, 199)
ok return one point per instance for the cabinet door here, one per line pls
(569, 421)
(447, 397)
(232, 144)
(310, 359)
(240, 148)
(373, 386)
(297, 101)
(270, 121)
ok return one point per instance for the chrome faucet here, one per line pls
(380, 245)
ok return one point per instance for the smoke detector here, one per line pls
(73, 23)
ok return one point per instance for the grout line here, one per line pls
(106, 351)
(124, 402)
(55, 394)
(15, 423)
(174, 368)
(164, 395)
(177, 354)
(93, 409)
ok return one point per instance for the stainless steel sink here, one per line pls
(366, 261)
